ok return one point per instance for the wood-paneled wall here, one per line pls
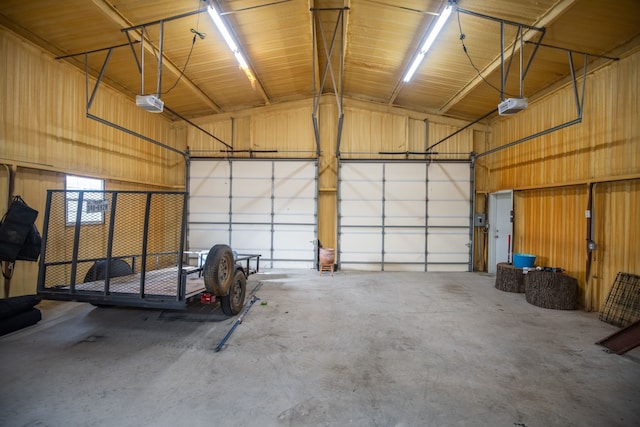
(279, 131)
(373, 131)
(48, 128)
(552, 175)
(44, 133)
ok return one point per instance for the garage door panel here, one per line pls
(415, 172)
(361, 191)
(253, 188)
(430, 197)
(293, 188)
(302, 207)
(361, 240)
(256, 199)
(405, 190)
(435, 221)
(246, 209)
(449, 213)
(364, 172)
(450, 245)
(300, 239)
(209, 217)
(252, 169)
(204, 236)
(202, 204)
(286, 170)
(209, 178)
(453, 208)
(209, 187)
(449, 191)
(404, 245)
(251, 238)
(361, 213)
(405, 213)
(449, 171)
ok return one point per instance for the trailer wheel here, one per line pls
(233, 302)
(218, 270)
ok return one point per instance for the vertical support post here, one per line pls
(45, 237)
(472, 208)
(159, 88)
(145, 244)
(76, 242)
(142, 61)
(230, 224)
(339, 216)
(273, 211)
(502, 61)
(337, 36)
(426, 217)
(383, 201)
(112, 221)
(521, 53)
(182, 282)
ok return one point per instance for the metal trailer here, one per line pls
(127, 248)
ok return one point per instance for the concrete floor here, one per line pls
(361, 349)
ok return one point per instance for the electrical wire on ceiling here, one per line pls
(464, 48)
(196, 34)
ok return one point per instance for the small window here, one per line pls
(93, 202)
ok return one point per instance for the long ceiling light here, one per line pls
(215, 16)
(429, 41)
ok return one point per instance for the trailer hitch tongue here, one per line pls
(236, 323)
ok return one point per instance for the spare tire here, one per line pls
(218, 270)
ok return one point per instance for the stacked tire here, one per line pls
(18, 312)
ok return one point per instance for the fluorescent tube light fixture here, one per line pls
(429, 41)
(233, 46)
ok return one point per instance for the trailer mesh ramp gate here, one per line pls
(117, 248)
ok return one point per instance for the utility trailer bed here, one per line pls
(160, 290)
(127, 248)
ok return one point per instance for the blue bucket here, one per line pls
(523, 260)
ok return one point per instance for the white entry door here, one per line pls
(500, 230)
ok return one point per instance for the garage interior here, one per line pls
(426, 142)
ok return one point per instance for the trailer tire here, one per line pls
(233, 301)
(218, 270)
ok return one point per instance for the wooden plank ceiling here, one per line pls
(376, 38)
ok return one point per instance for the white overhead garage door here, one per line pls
(265, 207)
(404, 216)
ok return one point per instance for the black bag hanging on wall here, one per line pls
(31, 248)
(17, 231)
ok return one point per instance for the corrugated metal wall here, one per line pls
(47, 133)
(48, 128)
(552, 175)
